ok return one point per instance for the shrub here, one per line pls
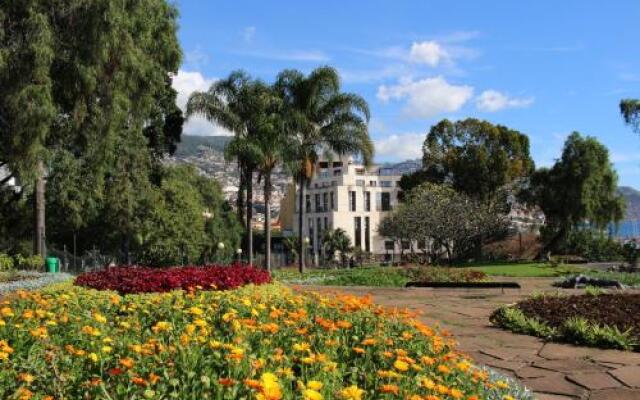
(6, 262)
(514, 319)
(441, 274)
(144, 280)
(580, 331)
(31, 263)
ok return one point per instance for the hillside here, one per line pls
(193, 145)
(632, 196)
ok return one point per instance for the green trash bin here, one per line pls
(53, 264)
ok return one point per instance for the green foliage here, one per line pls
(476, 157)
(441, 274)
(626, 278)
(367, 276)
(580, 331)
(589, 244)
(593, 291)
(6, 262)
(630, 110)
(450, 220)
(29, 263)
(336, 241)
(581, 186)
(527, 269)
(513, 318)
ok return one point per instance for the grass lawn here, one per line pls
(529, 270)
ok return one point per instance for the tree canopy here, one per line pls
(473, 156)
(443, 219)
(580, 188)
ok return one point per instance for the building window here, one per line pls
(372, 183)
(367, 235)
(389, 245)
(386, 184)
(326, 223)
(331, 201)
(406, 245)
(360, 171)
(337, 172)
(358, 232)
(308, 202)
(311, 241)
(385, 201)
(359, 182)
(317, 201)
(367, 201)
(352, 201)
(325, 201)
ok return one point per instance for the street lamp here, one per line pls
(220, 250)
(306, 242)
(239, 253)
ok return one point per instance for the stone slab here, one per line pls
(554, 384)
(616, 394)
(629, 375)
(594, 381)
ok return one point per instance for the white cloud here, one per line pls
(427, 97)
(428, 52)
(248, 34)
(185, 83)
(492, 100)
(402, 147)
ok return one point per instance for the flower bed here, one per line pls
(29, 280)
(126, 280)
(263, 342)
(592, 319)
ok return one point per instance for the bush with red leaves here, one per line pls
(126, 280)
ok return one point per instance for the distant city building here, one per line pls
(347, 195)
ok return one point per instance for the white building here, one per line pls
(346, 195)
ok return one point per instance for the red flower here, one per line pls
(135, 279)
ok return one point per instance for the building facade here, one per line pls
(344, 194)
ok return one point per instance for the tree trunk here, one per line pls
(249, 183)
(301, 244)
(552, 244)
(39, 246)
(267, 221)
(241, 194)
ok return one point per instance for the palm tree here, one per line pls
(321, 118)
(336, 241)
(230, 103)
(266, 146)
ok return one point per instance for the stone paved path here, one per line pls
(553, 371)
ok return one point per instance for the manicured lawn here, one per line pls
(523, 270)
(366, 276)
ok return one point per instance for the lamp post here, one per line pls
(306, 242)
(220, 250)
(239, 254)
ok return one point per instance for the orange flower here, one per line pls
(226, 381)
(389, 389)
(127, 362)
(139, 381)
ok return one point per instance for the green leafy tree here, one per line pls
(630, 110)
(336, 241)
(475, 157)
(445, 218)
(320, 118)
(580, 188)
(232, 104)
(75, 75)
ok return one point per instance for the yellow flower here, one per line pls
(195, 311)
(7, 312)
(99, 318)
(310, 394)
(401, 366)
(93, 357)
(106, 349)
(351, 393)
(26, 378)
(161, 326)
(314, 385)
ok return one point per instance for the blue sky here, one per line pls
(546, 69)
